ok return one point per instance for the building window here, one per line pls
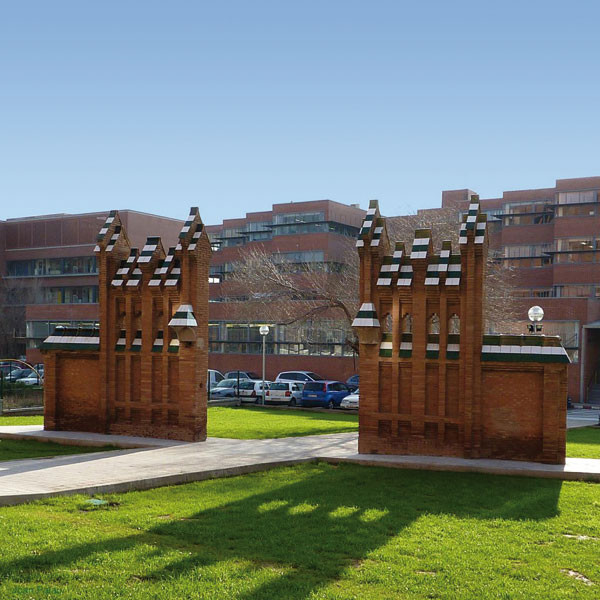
(305, 217)
(517, 208)
(576, 244)
(573, 210)
(527, 250)
(575, 291)
(71, 295)
(326, 227)
(47, 267)
(309, 256)
(314, 338)
(37, 331)
(577, 197)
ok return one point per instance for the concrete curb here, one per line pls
(63, 441)
(153, 482)
(404, 462)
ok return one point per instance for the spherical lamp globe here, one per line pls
(535, 314)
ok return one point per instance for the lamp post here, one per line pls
(535, 314)
(264, 331)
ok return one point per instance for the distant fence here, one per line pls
(14, 396)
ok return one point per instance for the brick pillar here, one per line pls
(50, 402)
(147, 322)
(441, 404)
(104, 299)
(419, 342)
(396, 339)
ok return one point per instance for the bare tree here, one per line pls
(500, 309)
(291, 294)
(15, 294)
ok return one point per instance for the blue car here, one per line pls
(328, 394)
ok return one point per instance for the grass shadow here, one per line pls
(313, 528)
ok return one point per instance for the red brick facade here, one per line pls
(548, 236)
(430, 381)
(144, 372)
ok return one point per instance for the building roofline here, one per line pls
(101, 213)
(248, 216)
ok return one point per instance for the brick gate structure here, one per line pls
(431, 382)
(143, 371)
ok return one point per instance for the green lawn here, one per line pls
(261, 423)
(312, 531)
(34, 420)
(254, 423)
(240, 423)
(584, 442)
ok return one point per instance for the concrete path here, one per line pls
(83, 438)
(582, 417)
(144, 468)
(165, 462)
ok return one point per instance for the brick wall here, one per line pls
(431, 382)
(144, 372)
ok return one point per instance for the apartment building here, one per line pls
(318, 233)
(53, 255)
(551, 237)
(49, 262)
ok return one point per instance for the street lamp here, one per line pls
(264, 331)
(535, 314)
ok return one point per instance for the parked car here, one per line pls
(285, 392)
(350, 401)
(32, 380)
(324, 393)
(251, 390)
(213, 378)
(298, 376)
(17, 374)
(226, 388)
(242, 375)
(352, 383)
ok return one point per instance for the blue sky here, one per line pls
(234, 106)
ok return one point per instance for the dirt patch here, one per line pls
(579, 576)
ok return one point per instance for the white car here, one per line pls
(251, 390)
(285, 392)
(214, 377)
(350, 401)
(302, 376)
(32, 380)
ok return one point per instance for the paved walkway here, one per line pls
(165, 462)
(585, 417)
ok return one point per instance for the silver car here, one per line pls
(285, 392)
(226, 388)
(350, 401)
